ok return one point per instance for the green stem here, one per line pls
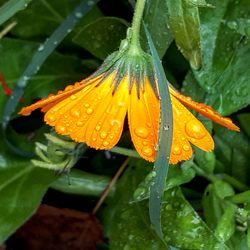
(135, 46)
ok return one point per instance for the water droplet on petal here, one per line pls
(115, 122)
(141, 132)
(75, 113)
(89, 111)
(98, 127)
(73, 97)
(186, 147)
(86, 105)
(195, 130)
(69, 87)
(51, 118)
(120, 104)
(105, 143)
(103, 135)
(79, 124)
(176, 150)
(61, 129)
(94, 139)
(147, 151)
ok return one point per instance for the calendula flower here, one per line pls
(93, 110)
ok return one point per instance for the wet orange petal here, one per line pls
(205, 110)
(191, 127)
(143, 118)
(181, 149)
(93, 115)
(47, 103)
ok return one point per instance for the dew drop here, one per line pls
(120, 104)
(115, 122)
(103, 135)
(89, 111)
(75, 113)
(73, 97)
(69, 87)
(149, 124)
(86, 105)
(105, 143)
(61, 129)
(98, 127)
(186, 147)
(195, 130)
(176, 150)
(79, 124)
(94, 139)
(78, 15)
(147, 151)
(51, 118)
(141, 132)
(41, 48)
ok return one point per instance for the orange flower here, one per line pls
(93, 110)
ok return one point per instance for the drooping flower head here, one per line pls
(93, 110)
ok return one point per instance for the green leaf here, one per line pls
(225, 75)
(8, 9)
(226, 225)
(42, 17)
(51, 77)
(177, 175)
(157, 24)
(240, 25)
(21, 190)
(232, 152)
(212, 201)
(244, 122)
(102, 37)
(205, 160)
(181, 224)
(130, 226)
(184, 23)
(241, 198)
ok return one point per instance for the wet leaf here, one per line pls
(51, 77)
(225, 75)
(184, 23)
(102, 37)
(232, 152)
(19, 182)
(132, 222)
(157, 24)
(42, 17)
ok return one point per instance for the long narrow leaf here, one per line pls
(164, 141)
(11, 8)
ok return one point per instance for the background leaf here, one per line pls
(157, 24)
(21, 190)
(184, 24)
(103, 36)
(225, 75)
(52, 76)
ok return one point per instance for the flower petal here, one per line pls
(181, 149)
(47, 103)
(191, 127)
(205, 110)
(93, 115)
(143, 118)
